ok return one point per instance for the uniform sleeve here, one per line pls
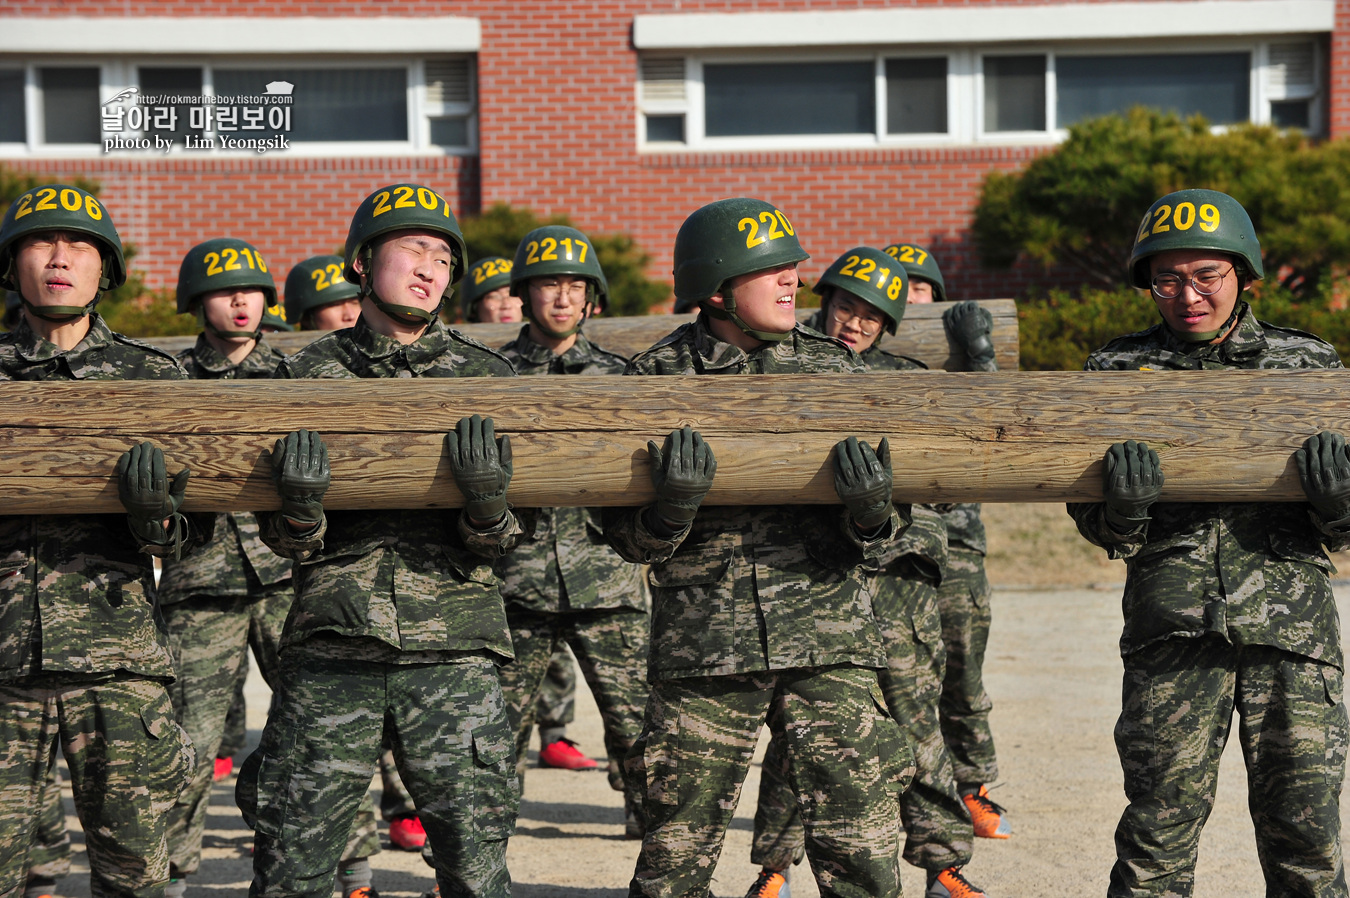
(278, 537)
(1091, 520)
(627, 533)
(885, 542)
(494, 542)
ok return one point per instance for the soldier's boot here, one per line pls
(407, 834)
(770, 884)
(563, 755)
(990, 819)
(223, 768)
(951, 883)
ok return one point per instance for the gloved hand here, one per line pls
(1324, 470)
(970, 325)
(481, 466)
(300, 471)
(147, 494)
(1133, 480)
(862, 478)
(682, 473)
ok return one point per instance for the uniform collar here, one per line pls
(32, 348)
(718, 354)
(208, 358)
(532, 354)
(420, 354)
(1246, 339)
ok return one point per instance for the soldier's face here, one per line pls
(499, 307)
(765, 300)
(335, 315)
(920, 290)
(558, 302)
(234, 309)
(1190, 311)
(58, 268)
(412, 268)
(849, 319)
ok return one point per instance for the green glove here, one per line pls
(682, 473)
(1133, 481)
(1324, 470)
(300, 471)
(970, 325)
(148, 495)
(482, 469)
(862, 478)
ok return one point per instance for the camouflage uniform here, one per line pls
(565, 585)
(84, 658)
(49, 858)
(763, 611)
(556, 707)
(938, 829)
(232, 593)
(1227, 605)
(394, 631)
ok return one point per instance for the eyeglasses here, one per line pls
(575, 293)
(842, 314)
(1206, 282)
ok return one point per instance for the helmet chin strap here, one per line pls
(1209, 336)
(67, 314)
(728, 313)
(399, 314)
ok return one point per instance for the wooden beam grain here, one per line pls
(1006, 437)
(920, 335)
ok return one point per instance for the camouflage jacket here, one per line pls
(755, 588)
(565, 562)
(411, 583)
(1251, 573)
(235, 562)
(874, 357)
(76, 591)
(965, 530)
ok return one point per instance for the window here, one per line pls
(916, 96)
(172, 82)
(1014, 93)
(13, 127)
(1215, 85)
(785, 98)
(69, 104)
(332, 105)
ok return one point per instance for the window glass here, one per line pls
(1215, 85)
(70, 104)
(1283, 114)
(12, 127)
(756, 99)
(450, 131)
(172, 82)
(665, 129)
(1014, 93)
(331, 104)
(916, 96)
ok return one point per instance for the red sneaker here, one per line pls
(407, 833)
(224, 767)
(563, 755)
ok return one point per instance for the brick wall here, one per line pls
(557, 111)
(1340, 72)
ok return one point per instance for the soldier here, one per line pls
(83, 657)
(319, 297)
(564, 586)
(760, 611)
(862, 293)
(485, 295)
(234, 592)
(963, 597)
(1227, 606)
(398, 623)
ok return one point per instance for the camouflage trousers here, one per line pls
(557, 703)
(963, 601)
(209, 637)
(847, 763)
(128, 761)
(49, 858)
(446, 724)
(1178, 701)
(235, 734)
(611, 647)
(938, 829)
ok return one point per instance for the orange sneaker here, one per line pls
(363, 892)
(952, 883)
(563, 755)
(407, 833)
(770, 884)
(224, 767)
(991, 820)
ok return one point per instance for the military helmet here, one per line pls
(729, 238)
(317, 281)
(221, 264)
(873, 277)
(1194, 219)
(919, 263)
(484, 276)
(274, 316)
(557, 249)
(402, 207)
(60, 207)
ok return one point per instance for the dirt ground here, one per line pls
(1054, 673)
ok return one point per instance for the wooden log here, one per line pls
(1008, 437)
(920, 335)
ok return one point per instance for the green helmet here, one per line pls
(919, 263)
(274, 317)
(221, 264)
(483, 276)
(729, 238)
(873, 277)
(316, 282)
(402, 207)
(557, 249)
(60, 207)
(1194, 219)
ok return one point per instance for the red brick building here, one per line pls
(867, 122)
